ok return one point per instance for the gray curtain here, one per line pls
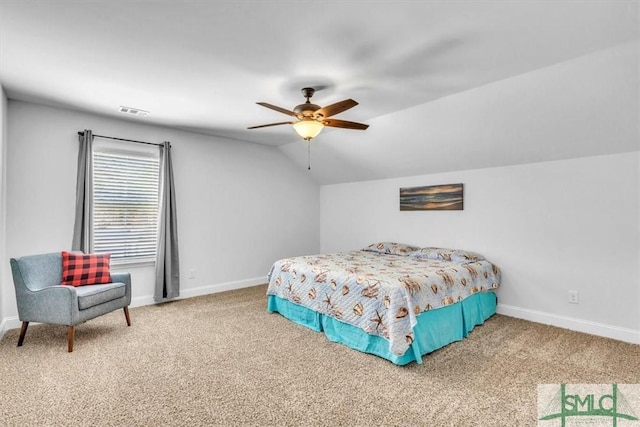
(167, 262)
(82, 225)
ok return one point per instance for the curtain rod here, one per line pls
(81, 133)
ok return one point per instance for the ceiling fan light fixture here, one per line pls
(308, 128)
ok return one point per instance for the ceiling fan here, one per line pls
(312, 118)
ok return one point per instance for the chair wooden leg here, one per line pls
(23, 332)
(70, 336)
(126, 315)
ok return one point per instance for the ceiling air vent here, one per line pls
(133, 111)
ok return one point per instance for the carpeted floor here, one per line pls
(222, 360)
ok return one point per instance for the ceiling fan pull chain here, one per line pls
(309, 155)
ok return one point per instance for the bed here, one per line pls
(393, 300)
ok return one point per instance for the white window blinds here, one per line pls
(125, 205)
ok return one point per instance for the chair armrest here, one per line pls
(121, 277)
(54, 304)
(126, 279)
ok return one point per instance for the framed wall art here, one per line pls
(447, 197)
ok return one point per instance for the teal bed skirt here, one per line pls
(435, 329)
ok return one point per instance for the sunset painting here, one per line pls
(436, 197)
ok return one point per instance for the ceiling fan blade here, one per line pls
(271, 124)
(281, 110)
(338, 107)
(344, 124)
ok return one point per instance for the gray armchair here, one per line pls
(41, 298)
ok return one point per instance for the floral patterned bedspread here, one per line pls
(378, 292)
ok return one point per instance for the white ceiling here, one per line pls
(201, 66)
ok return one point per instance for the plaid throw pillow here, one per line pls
(81, 269)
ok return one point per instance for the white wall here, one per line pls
(3, 149)
(550, 227)
(241, 206)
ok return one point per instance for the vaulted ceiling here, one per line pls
(445, 86)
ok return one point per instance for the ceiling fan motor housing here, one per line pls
(306, 110)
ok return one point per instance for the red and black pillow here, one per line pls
(85, 269)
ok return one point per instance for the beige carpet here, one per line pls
(223, 360)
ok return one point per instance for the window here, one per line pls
(125, 203)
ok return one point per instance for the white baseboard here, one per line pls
(14, 322)
(579, 325)
(203, 290)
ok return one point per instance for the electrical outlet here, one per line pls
(573, 297)
(192, 274)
